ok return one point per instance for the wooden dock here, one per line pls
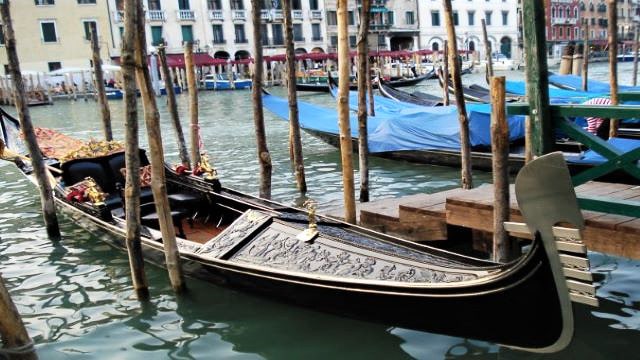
(428, 217)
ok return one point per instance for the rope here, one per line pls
(7, 353)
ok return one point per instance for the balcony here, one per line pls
(156, 15)
(186, 15)
(239, 14)
(297, 14)
(564, 21)
(278, 15)
(216, 15)
(118, 16)
(271, 15)
(379, 3)
(315, 14)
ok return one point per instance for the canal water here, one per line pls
(78, 303)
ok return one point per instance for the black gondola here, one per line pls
(281, 252)
(474, 93)
(401, 82)
(416, 98)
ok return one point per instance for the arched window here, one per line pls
(575, 12)
(435, 46)
(553, 12)
(560, 12)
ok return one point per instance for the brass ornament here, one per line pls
(312, 231)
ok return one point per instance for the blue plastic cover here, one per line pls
(575, 82)
(556, 96)
(624, 145)
(398, 127)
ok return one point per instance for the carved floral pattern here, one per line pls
(234, 234)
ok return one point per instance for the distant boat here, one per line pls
(499, 62)
(626, 57)
(222, 82)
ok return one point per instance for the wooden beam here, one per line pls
(364, 83)
(12, 330)
(613, 61)
(487, 49)
(99, 76)
(193, 103)
(585, 57)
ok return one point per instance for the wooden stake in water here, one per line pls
(613, 60)
(264, 158)
(487, 49)
(132, 154)
(465, 143)
(154, 135)
(585, 58)
(173, 107)
(99, 76)
(21, 101)
(364, 78)
(14, 335)
(445, 73)
(193, 102)
(346, 146)
(294, 124)
(635, 56)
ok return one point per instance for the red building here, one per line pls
(563, 24)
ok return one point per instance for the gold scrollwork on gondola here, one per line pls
(94, 148)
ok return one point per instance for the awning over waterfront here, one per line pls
(177, 60)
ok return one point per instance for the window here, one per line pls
(236, 5)
(241, 38)
(353, 40)
(487, 17)
(87, 2)
(1, 38)
(351, 18)
(154, 5)
(435, 18)
(156, 35)
(313, 4)
(409, 18)
(45, 2)
(49, 34)
(121, 28)
(471, 15)
(334, 41)
(264, 34)
(382, 40)
(505, 18)
(296, 5)
(315, 32)
(297, 32)
(332, 18)
(184, 5)
(390, 18)
(88, 26)
(560, 32)
(187, 33)
(54, 65)
(218, 37)
(455, 18)
(276, 30)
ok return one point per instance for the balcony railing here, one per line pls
(215, 15)
(239, 14)
(297, 14)
(271, 15)
(189, 15)
(118, 16)
(564, 21)
(278, 15)
(156, 15)
(379, 27)
(315, 14)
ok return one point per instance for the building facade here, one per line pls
(563, 24)
(501, 18)
(224, 29)
(51, 34)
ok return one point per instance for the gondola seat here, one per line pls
(149, 217)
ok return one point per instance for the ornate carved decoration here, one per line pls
(234, 234)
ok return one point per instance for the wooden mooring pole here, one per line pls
(15, 340)
(346, 146)
(585, 58)
(193, 103)
(364, 79)
(294, 123)
(635, 55)
(503, 248)
(445, 73)
(487, 49)
(613, 60)
(99, 76)
(465, 143)
(154, 134)
(173, 107)
(39, 170)
(264, 157)
(132, 154)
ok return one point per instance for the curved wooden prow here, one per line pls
(546, 198)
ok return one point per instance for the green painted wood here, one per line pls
(618, 207)
(603, 111)
(536, 75)
(625, 162)
(519, 108)
(629, 96)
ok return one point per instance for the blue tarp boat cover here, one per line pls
(575, 82)
(556, 96)
(398, 127)
(624, 145)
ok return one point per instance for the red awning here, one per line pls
(177, 60)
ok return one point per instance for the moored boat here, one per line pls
(222, 82)
(265, 247)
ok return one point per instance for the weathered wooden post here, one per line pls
(132, 153)
(154, 134)
(635, 56)
(102, 96)
(294, 124)
(20, 99)
(541, 124)
(173, 107)
(613, 60)
(372, 105)
(445, 73)
(364, 80)
(193, 103)
(577, 61)
(585, 57)
(566, 61)
(264, 158)
(502, 248)
(487, 49)
(346, 146)
(465, 143)
(12, 331)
